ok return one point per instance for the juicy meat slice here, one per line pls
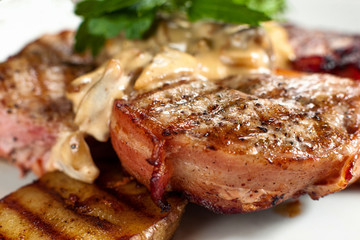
(33, 107)
(244, 147)
(327, 52)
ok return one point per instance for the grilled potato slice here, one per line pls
(115, 207)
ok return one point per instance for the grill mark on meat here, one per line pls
(286, 134)
(34, 219)
(181, 124)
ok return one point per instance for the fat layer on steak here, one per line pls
(246, 144)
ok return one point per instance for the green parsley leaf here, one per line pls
(146, 5)
(225, 11)
(93, 32)
(84, 39)
(95, 8)
(112, 25)
(271, 8)
(103, 19)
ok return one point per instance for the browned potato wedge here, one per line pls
(115, 207)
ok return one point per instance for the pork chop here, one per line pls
(245, 146)
(33, 106)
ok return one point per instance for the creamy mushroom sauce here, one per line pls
(178, 50)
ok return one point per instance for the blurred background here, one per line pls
(22, 20)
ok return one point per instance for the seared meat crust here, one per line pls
(33, 107)
(327, 52)
(245, 146)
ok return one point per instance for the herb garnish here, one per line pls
(103, 19)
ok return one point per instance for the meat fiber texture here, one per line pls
(33, 107)
(245, 144)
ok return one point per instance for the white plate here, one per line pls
(332, 217)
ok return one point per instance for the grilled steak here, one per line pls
(33, 107)
(33, 111)
(245, 146)
(115, 207)
(327, 52)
